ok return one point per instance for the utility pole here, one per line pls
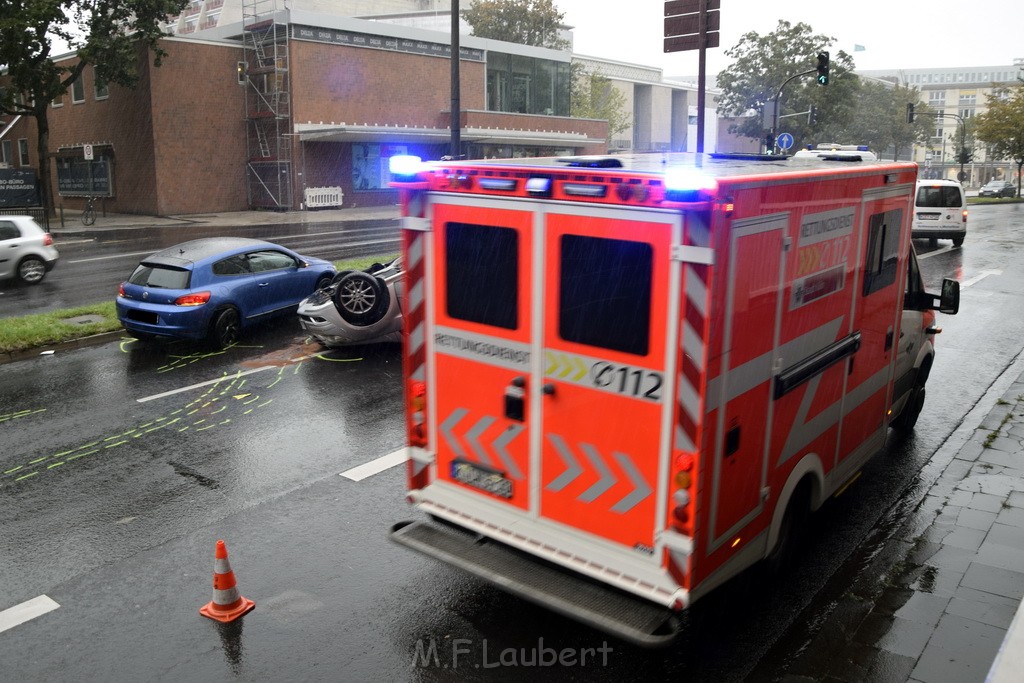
(456, 113)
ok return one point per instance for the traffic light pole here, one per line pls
(963, 135)
(770, 141)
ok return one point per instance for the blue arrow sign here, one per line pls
(784, 141)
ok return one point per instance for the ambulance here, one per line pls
(629, 378)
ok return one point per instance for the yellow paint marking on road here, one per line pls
(13, 469)
(267, 402)
(114, 445)
(193, 412)
(241, 396)
(183, 429)
(33, 462)
(177, 411)
(26, 476)
(219, 410)
(251, 400)
(56, 464)
(247, 412)
(202, 429)
(337, 360)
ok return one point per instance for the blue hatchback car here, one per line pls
(214, 288)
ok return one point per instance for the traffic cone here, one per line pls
(227, 605)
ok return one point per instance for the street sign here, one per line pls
(784, 141)
(683, 24)
(87, 152)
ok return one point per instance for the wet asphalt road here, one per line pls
(121, 531)
(92, 264)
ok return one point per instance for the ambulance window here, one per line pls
(605, 293)
(482, 276)
(883, 249)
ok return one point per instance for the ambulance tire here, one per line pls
(361, 298)
(791, 531)
(915, 402)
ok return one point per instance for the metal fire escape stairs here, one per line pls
(269, 172)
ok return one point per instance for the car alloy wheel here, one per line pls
(225, 329)
(361, 298)
(31, 270)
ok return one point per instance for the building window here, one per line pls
(23, 152)
(6, 156)
(937, 97)
(100, 89)
(78, 90)
(527, 85)
(966, 113)
(58, 101)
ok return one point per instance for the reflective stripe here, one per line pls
(226, 597)
(482, 348)
(221, 566)
(572, 469)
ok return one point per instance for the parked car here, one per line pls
(998, 188)
(940, 211)
(216, 287)
(356, 307)
(27, 253)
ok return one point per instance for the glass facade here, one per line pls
(526, 85)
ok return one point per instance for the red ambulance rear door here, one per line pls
(608, 286)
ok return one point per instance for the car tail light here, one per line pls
(965, 215)
(47, 240)
(196, 299)
(682, 496)
(120, 290)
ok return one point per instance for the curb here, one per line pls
(81, 342)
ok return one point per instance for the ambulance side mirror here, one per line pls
(949, 300)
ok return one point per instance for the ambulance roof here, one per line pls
(713, 165)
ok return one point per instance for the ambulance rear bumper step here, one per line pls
(577, 597)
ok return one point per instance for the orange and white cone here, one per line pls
(227, 605)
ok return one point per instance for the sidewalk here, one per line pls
(951, 610)
(73, 227)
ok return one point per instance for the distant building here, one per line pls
(960, 91)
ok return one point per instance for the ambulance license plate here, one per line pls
(482, 478)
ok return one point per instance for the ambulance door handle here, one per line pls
(515, 399)
(548, 389)
(519, 381)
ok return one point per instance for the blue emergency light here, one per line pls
(404, 167)
(684, 184)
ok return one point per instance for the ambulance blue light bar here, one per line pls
(405, 167)
(684, 184)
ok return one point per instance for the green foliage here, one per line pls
(763, 63)
(594, 97)
(526, 22)
(1002, 126)
(880, 118)
(41, 329)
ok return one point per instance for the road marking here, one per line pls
(943, 250)
(978, 278)
(208, 382)
(26, 611)
(113, 256)
(384, 462)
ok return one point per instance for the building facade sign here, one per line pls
(351, 38)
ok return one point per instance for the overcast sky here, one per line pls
(895, 34)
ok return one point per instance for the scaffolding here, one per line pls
(267, 105)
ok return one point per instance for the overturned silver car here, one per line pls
(358, 306)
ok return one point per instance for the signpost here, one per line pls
(693, 25)
(784, 141)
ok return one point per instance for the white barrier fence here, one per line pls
(319, 197)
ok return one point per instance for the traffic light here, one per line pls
(910, 112)
(822, 68)
(812, 115)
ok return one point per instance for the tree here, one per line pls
(1002, 126)
(104, 33)
(764, 63)
(880, 118)
(526, 22)
(593, 97)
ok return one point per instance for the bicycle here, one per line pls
(89, 212)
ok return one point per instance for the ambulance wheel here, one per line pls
(361, 298)
(791, 531)
(915, 402)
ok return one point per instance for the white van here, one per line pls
(940, 211)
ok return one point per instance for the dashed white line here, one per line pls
(384, 462)
(26, 611)
(979, 277)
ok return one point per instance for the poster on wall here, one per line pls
(18, 187)
(370, 165)
(78, 177)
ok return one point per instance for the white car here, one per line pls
(358, 306)
(27, 253)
